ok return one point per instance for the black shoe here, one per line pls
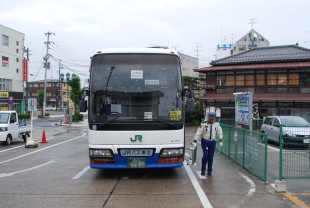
(209, 173)
(203, 173)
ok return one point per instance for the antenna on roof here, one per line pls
(252, 22)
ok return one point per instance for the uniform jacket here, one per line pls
(208, 131)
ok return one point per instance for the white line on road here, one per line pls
(21, 171)
(125, 177)
(22, 145)
(253, 187)
(200, 176)
(201, 194)
(39, 150)
(81, 173)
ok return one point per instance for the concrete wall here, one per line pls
(10, 52)
(189, 63)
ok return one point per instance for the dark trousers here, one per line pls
(208, 148)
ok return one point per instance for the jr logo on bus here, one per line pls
(137, 137)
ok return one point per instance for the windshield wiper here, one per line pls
(101, 125)
(161, 121)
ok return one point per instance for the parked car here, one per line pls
(10, 129)
(50, 108)
(62, 108)
(297, 130)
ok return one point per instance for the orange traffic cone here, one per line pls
(43, 137)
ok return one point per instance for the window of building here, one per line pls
(260, 71)
(30, 85)
(260, 79)
(245, 72)
(260, 90)
(53, 94)
(239, 89)
(272, 90)
(5, 40)
(17, 50)
(282, 79)
(17, 59)
(36, 85)
(239, 80)
(304, 90)
(249, 79)
(304, 79)
(225, 91)
(242, 47)
(293, 79)
(220, 81)
(41, 85)
(271, 79)
(33, 94)
(294, 90)
(5, 61)
(17, 43)
(6, 84)
(281, 90)
(230, 80)
(17, 71)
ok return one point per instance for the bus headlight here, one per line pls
(101, 152)
(171, 152)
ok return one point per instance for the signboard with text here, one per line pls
(243, 107)
(4, 94)
(25, 70)
(224, 47)
(32, 104)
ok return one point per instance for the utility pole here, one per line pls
(252, 22)
(59, 85)
(197, 48)
(46, 66)
(26, 51)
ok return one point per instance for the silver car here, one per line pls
(297, 130)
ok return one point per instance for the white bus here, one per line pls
(135, 109)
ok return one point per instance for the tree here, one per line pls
(41, 100)
(190, 82)
(76, 91)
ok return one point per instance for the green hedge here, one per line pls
(77, 117)
(23, 116)
(194, 118)
(47, 114)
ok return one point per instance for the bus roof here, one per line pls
(137, 50)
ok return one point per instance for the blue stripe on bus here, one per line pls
(121, 163)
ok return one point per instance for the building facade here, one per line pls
(11, 76)
(250, 40)
(56, 92)
(278, 76)
(188, 63)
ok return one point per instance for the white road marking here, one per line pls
(39, 150)
(253, 187)
(201, 194)
(77, 176)
(21, 171)
(186, 154)
(273, 185)
(22, 146)
(200, 176)
(125, 177)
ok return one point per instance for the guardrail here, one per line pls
(247, 148)
(294, 152)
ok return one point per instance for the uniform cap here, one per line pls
(211, 115)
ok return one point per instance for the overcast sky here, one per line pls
(81, 27)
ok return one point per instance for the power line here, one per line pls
(70, 48)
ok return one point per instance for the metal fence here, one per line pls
(294, 152)
(247, 148)
(256, 125)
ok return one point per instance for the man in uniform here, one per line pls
(207, 132)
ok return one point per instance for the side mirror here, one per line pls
(83, 106)
(190, 105)
(85, 92)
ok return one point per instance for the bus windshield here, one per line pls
(141, 86)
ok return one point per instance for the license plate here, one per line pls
(136, 152)
(136, 163)
(306, 140)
